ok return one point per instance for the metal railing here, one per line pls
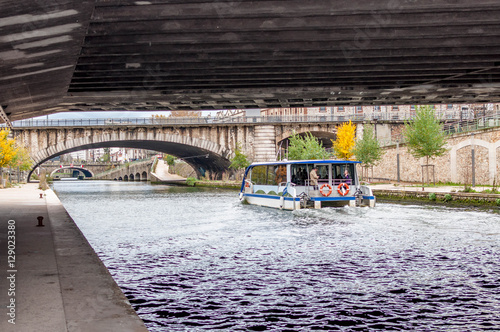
(151, 121)
(451, 127)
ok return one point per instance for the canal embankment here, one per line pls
(441, 195)
(51, 278)
(394, 192)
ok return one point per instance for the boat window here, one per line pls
(322, 172)
(299, 174)
(337, 171)
(271, 175)
(259, 174)
(265, 174)
(280, 174)
(347, 173)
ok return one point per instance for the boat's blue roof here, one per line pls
(326, 161)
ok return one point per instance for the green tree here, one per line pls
(367, 149)
(169, 159)
(106, 157)
(240, 160)
(424, 135)
(344, 144)
(306, 147)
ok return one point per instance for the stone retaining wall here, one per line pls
(454, 166)
(457, 196)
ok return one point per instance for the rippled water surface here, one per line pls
(194, 259)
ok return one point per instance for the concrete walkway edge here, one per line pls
(61, 284)
(92, 299)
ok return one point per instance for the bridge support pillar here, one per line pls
(265, 143)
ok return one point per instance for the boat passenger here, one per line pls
(314, 178)
(347, 178)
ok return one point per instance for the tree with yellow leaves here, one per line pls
(343, 146)
(8, 148)
(22, 159)
(8, 151)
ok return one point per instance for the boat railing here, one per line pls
(336, 182)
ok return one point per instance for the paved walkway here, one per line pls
(57, 282)
(162, 173)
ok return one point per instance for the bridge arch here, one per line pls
(325, 137)
(208, 156)
(88, 173)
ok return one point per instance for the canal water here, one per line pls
(193, 259)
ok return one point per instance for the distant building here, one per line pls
(451, 111)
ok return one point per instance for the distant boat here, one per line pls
(288, 185)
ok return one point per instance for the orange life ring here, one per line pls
(329, 189)
(343, 189)
(247, 185)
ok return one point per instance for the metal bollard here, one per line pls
(40, 221)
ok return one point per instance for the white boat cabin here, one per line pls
(294, 185)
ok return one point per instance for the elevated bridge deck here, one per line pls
(154, 55)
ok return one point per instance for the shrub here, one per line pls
(169, 159)
(272, 193)
(191, 181)
(432, 196)
(497, 201)
(260, 192)
(447, 198)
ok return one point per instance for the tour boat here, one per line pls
(289, 184)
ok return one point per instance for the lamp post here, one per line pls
(473, 161)
(397, 160)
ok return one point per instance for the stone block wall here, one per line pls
(455, 166)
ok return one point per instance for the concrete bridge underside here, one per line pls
(176, 55)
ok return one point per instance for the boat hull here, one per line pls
(294, 203)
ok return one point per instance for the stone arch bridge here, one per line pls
(132, 171)
(206, 147)
(86, 172)
(193, 143)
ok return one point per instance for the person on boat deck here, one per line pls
(299, 177)
(314, 178)
(346, 176)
